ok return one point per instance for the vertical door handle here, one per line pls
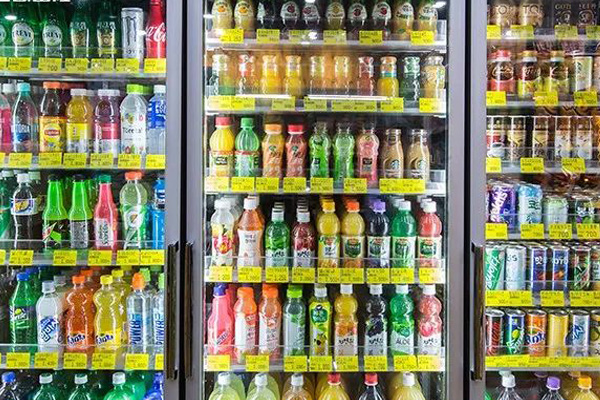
(171, 312)
(187, 310)
(479, 314)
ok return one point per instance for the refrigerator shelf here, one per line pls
(71, 258)
(86, 77)
(500, 231)
(527, 33)
(545, 298)
(525, 362)
(575, 165)
(93, 161)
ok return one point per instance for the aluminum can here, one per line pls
(495, 136)
(595, 332)
(493, 331)
(559, 258)
(515, 138)
(595, 266)
(562, 138)
(596, 73)
(583, 138)
(579, 333)
(537, 261)
(132, 32)
(514, 331)
(531, 12)
(527, 71)
(558, 330)
(540, 136)
(529, 203)
(514, 269)
(494, 264)
(555, 210)
(582, 210)
(581, 264)
(581, 75)
(503, 204)
(535, 332)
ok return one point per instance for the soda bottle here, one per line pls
(220, 324)
(269, 322)
(223, 389)
(221, 143)
(156, 31)
(24, 121)
(304, 241)
(52, 120)
(245, 310)
(157, 118)
(5, 122)
(244, 14)
(47, 391)
(410, 390)
(319, 150)
(156, 392)
(294, 322)
(120, 391)
(429, 241)
(345, 330)
(81, 391)
(335, 15)
(105, 216)
(6, 221)
(49, 319)
(507, 390)
(402, 323)
(79, 122)
(8, 390)
(54, 229)
(133, 121)
(334, 389)
(107, 122)
(35, 282)
(429, 323)
(343, 154)
(378, 237)
(328, 227)
(133, 207)
(54, 31)
(367, 149)
(22, 312)
(296, 149)
(250, 233)
(353, 236)
(108, 324)
(247, 145)
(108, 30)
(24, 31)
(157, 304)
(296, 390)
(81, 30)
(157, 214)
(376, 324)
(23, 211)
(356, 19)
(553, 386)
(267, 14)
(80, 215)
(277, 240)
(404, 237)
(319, 312)
(139, 325)
(79, 317)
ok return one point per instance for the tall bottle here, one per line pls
(410, 86)
(24, 213)
(107, 123)
(261, 391)
(277, 240)
(392, 155)
(106, 216)
(345, 323)
(418, 157)
(82, 390)
(250, 233)
(269, 322)
(222, 227)
(25, 30)
(49, 314)
(22, 312)
(47, 391)
(294, 322)
(247, 82)
(108, 325)
(80, 118)
(272, 151)
(319, 312)
(52, 121)
(429, 323)
(270, 80)
(295, 151)
(356, 18)
(54, 31)
(388, 84)
(156, 31)
(134, 121)
(108, 30)
(328, 227)
(221, 143)
(24, 120)
(246, 323)
(6, 219)
(319, 146)
(81, 30)
(247, 145)
(157, 214)
(139, 317)
(353, 236)
(223, 388)
(293, 81)
(378, 237)
(80, 216)
(54, 230)
(367, 149)
(376, 323)
(341, 75)
(220, 325)
(5, 121)
(343, 154)
(158, 316)
(429, 241)
(157, 118)
(404, 237)
(402, 323)
(133, 208)
(8, 391)
(79, 317)
(304, 241)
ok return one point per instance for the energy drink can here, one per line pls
(514, 331)
(559, 258)
(579, 333)
(558, 331)
(493, 331)
(595, 332)
(537, 260)
(581, 265)
(503, 204)
(514, 269)
(535, 332)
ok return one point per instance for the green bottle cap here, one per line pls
(133, 88)
(294, 291)
(104, 178)
(248, 122)
(145, 273)
(156, 268)
(161, 281)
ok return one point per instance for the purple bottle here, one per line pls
(378, 237)
(107, 123)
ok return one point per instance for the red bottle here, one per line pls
(365, 85)
(304, 241)
(429, 324)
(429, 240)
(105, 217)
(156, 31)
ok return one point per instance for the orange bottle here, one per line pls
(79, 317)
(269, 322)
(90, 283)
(250, 233)
(245, 323)
(272, 148)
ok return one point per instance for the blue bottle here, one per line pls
(156, 391)
(158, 215)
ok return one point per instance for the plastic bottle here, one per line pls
(328, 227)
(157, 214)
(261, 391)
(345, 331)
(24, 121)
(24, 213)
(293, 84)
(376, 323)
(429, 241)
(108, 30)
(46, 391)
(250, 232)
(7, 391)
(222, 228)
(119, 391)
(133, 207)
(247, 145)
(158, 315)
(296, 389)
(272, 151)
(404, 237)
(81, 391)
(80, 118)
(334, 389)
(296, 151)
(221, 143)
(6, 220)
(269, 322)
(52, 120)
(371, 389)
(402, 323)
(246, 321)
(80, 215)
(49, 312)
(156, 392)
(106, 216)
(134, 121)
(107, 123)
(277, 240)
(343, 154)
(22, 312)
(553, 386)
(584, 384)
(320, 315)
(304, 241)
(157, 118)
(79, 317)
(54, 217)
(319, 145)
(353, 237)
(223, 389)
(429, 324)
(108, 325)
(367, 149)
(387, 84)
(220, 325)
(410, 390)
(139, 327)
(378, 237)
(5, 123)
(294, 322)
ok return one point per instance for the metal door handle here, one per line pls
(171, 312)
(479, 312)
(187, 309)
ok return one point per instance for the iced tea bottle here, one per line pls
(293, 84)
(52, 123)
(246, 74)
(270, 82)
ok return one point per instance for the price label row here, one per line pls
(80, 160)
(100, 361)
(548, 298)
(561, 32)
(499, 231)
(84, 65)
(535, 165)
(528, 361)
(65, 258)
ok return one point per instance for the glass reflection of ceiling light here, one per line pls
(265, 96)
(10, 17)
(340, 97)
(439, 4)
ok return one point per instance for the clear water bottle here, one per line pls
(133, 121)
(49, 313)
(158, 316)
(24, 121)
(7, 391)
(157, 116)
(553, 386)
(508, 389)
(139, 334)
(156, 391)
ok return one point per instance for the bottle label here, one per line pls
(3, 35)
(429, 251)
(107, 38)
(405, 11)
(431, 343)
(249, 243)
(134, 224)
(310, 13)
(245, 333)
(21, 207)
(243, 9)
(382, 12)
(329, 250)
(22, 322)
(376, 336)
(53, 233)
(77, 132)
(6, 222)
(52, 135)
(335, 12)
(52, 35)
(221, 163)
(320, 321)
(246, 163)
(268, 333)
(402, 337)
(109, 338)
(22, 132)
(222, 245)
(22, 34)
(80, 234)
(276, 257)
(427, 13)
(222, 8)
(49, 330)
(403, 251)
(157, 114)
(158, 321)
(133, 133)
(103, 233)
(304, 257)
(357, 13)
(353, 247)
(293, 333)
(77, 340)
(136, 328)
(346, 339)
(378, 251)
(290, 11)
(106, 130)
(80, 34)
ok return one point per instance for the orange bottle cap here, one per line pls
(270, 292)
(78, 279)
(51, 85)
(138, 282)
(87, 273)
(584, 382)
(133, 175)
(273, 128)
(352, 206)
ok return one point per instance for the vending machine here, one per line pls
(325, 174)
(90, 194)
(534, 129)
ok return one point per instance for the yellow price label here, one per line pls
(74, 160)
(75, 361)
(546, 99)
(430, 105)
(315, 104)
(370, 37)
(277, 274)
(592, 32)
(242, 184)
(376, 363)
(46, 64)
(217, 184)
(19, 64)
(155, 66)
(102, 65)
(355, 185)
(232, 36)
(3, 61)
(565, 32)
(389, 186)
(45, 361)
(155, 161)
(64, 258)
(320, 363)
(288, 104)
(128, 257)
(294, 185)
(76, 65)
(221, 362)
(421, 38)
(159, 362)
(586, 98)
(510, 298)
(267, 185)
(137, 361)
(295, 363)
(329, 275)
(378, 275)
(50, 160)
(101, 160)
(100, 257)
(411, 186)
(352, 275)
(104, 361)
(403, 276)
(365, 105)
(257, 363)
(321, 185)
(334, 37)
(573, 165)
(588, 231)
(342, 105)
(560, 231)
(129, 161)
(494, 32)
(552, 298)
(220, 274)
(20, 160)
(493, 165)
(303, 275)
(522, 31)
(220, 103)
(532, 165)
(495, 98)
(21, 257)
(152, 257)
(393, 105)
(18, 360)
(346, 363)
(429, 363)
(579, 298)
(128, 65)
(2, 256)
(431, 275)
(243, 103)
(297, 36)
(405, 363)
(268, 35)
(532, 231)
(249, 274)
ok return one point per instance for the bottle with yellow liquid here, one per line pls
(569, 384)
(387, 84)
(319, 317)
(270, 82)
(328, 227)
(222, 143)
(317, 83)
(334, 389)
(585, 393)
(341, 74)
(297, 389)
(224, 389)
(345, 323)
(108, 324)
(395, 383)
(221, 81)
(409, 389)
(353, 236)
(222, 16)
(293, 84)
(247, 79)
(80, 119)
(243, 15)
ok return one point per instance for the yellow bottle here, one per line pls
(328, 227)
(270, 82)
(317, 83)
(222, 143)
(345, 323)
(396, 383)
(271, 385)
(222, 16)
(334, 389)
(123, 289)
(80, 119)
(388, 84)
(293, 83)
(409, 390)
(243, 14)
(585, 386)
(353, 236)
(568, 386)
(296, 389)
(341, 75)
(108, 325)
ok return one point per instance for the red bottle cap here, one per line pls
(296, 128)
(371, 379)
(51, 85)
(223, 121)
(334, 378)
(133, 175)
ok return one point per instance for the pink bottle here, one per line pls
(429, 240)
(106, 217)
(367, 148)
(220, 323)
(107, 123)
(429, 324)
(296, 151)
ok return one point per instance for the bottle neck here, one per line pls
(105, 193)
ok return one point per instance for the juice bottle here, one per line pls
(304, 241)
(395, 383)
(353, 237)
(404, 237)
(585, 385)
(270, 82)
(308, 383)
(426, 16)
(328, 226)
(290, 16)
(381, 18)
(335, 15)
(247, 146)
(365, 84)
(376, 323)
(317, 83)
(293, 84)
(261, 392)
(245, 323)
(410, 87)
(402, 323)
(409, 390)
(247, 79)
(392, 156)
(357, 18)
(388, 84)
(569, 384)
(341, 73)
(124, 289)
(319, 312)
(243, 15)
(269, 322)
(108, 325)
(294, 322)
(272, 148)
(222, 142)
(222, 228)
(79, 317)
(221, 81)
(222, 16)
(418, 157)
(277, 240)
(343, 154)
(345, 330)
(220, 325)
(367, 149)
(403, 18)
(107, 123)
(371, 389)
(334, 389)
(106, 216)
(296, 390)
(271, 386)
(80, 119)
(429, 324)
(52, 120)
(296, 150)
(319, 151)
(378, 237)
(223, 389)
(429, 241)
(250, 233)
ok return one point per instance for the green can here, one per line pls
(493, 267)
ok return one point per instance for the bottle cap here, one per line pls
(346, 289)
(584, 382)
(133, 175)
(23, 178)
(294, 291)
(118, 378)
(160, 89)
(295, 129)
(249, 203)
(223, 121)
(48, 287)
(429, 207)
(297, 380)
(553, 383)
(320, 291)
(22, 276)
(224, 379)
(59, 280)
(375, 289)
(429, 290)
(220, 289)
(23, 87)
(78, 279)
(379, 206)
(371, 378)
(105, 92)
(34, 175)
(117, 273)
(247, 122)
(145, 273)
(161, 281)
(51, 85)
(45, 378)
(334, 378)
(104, 178)
(408, 379)
(402, 289)
(272, 129)
(352, 206)
(138, 283)
(86, 273)
(6, 173)
(81, 379)
(261, 379)
(78, 92)
(404, 205)
(222, 204)
(245, 291)
(8, 88)
(277, 214)
(106, 280)
(134, 89)
(303, 216)
(270, 292)
(8, 377)
(78, 178)
(508, 381)
(329, 206)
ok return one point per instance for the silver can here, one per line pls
(540, 136)
(562, 138)
(132, 32)
(579, 333)
(515, 267)
(595, 332)
(583, 137)
(581, 74)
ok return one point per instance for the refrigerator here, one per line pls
(533, 217)
(91, 195)
(315, 252)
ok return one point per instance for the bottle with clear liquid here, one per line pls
(371, 391)
(24, 121)
(139, 330)
(553, 386)
(49, 313)
(47, 391)
(508, 392)
(7, 391)
(296, 390)
(134, 121)
(157, 118)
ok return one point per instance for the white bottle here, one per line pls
(134, 121)
(49, 311)
(158, 316)
(139, 334)
(9, 90)
(157, 111)
(221, 224)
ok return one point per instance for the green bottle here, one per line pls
(54, 230)
(404, 237)
(277, 239)
(319, 146)
(343, 155)
(402, 323)
(108, 30)
(24, 30)
(46, 390)
(80, 215)
(5, 29)
(22, 312)
(135, 383)
(247, 145)
(120, 391)
(319, 317)
(54, 30)
(81, 30)
(294, 322)
(82, 390)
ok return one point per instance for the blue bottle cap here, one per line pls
(22, 276)
(8, 377)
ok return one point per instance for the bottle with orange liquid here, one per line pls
(79, 317)
(269, 322)
(585, 393)
(272, 146)
(245, 311)
(222, 143)
(345, 323)
(293, 83)
(388, 84)
(365, 84)
(250, 231)
(334, 389)
(353, 236)
(270, 82)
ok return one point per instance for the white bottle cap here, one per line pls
(249, 203)
(48, 287)
(429, 207)
(8, 88)
(78, 92)
(59, 280)
(222, 204)
(404, 205)
(408, 379)
(277, 214)
(346, 289)
(115, 92)
(261, 380)
(303, 216)
(105, 92)
(45, 378)
(33, 175)
(224, 379)
(375, 289)
(118, 378)
(508, 381)
(429, 290)
(297, 380)
(402, 289)
(23, 178)
(160, 89)
(81, 379)
(7, 173)
(320, 291)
